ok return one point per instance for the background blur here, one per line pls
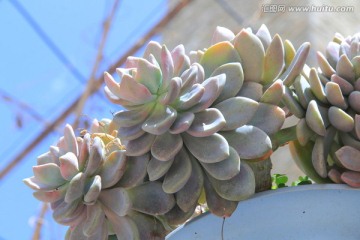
(53, 55)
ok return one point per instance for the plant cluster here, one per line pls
(196, 128)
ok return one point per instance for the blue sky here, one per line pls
(31, 73)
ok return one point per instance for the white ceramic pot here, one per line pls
(318, 211)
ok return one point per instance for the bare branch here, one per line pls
(40, 222)
(157, 28)
(99, 57)
(23, 106)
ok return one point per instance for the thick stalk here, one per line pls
(283, 137)
(262, 171)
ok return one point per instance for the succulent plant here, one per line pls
(327, 101)
(197, 121)
(86, 181)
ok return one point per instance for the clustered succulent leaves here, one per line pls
(193, 128)
(85, 181)
(328, 104)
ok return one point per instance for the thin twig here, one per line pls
(99, 57)
(157, 28)
(40, 221)
(23, 106)
(222, 228)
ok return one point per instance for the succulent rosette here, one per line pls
(196, 121)
(85, 178)
(328, 103)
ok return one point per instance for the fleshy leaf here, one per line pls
(303, 132)
(206, 123)
(156, 168)
(303, 91)
(45, 158)
(234, 80)
(357, 125)
(48, 174)
(178, 174)
(167, 67)
(160, 120)
(153, 48)
(334, 95)
(351, 178)
(289, 52)
(274, 116)
(93, 191)
(94, 220)
(332, 53)
(131, 133)
(95, 158)
(116, 200)
(149, 75)
(316, 86)
(340, 119)
(325, 67)
(177, 216)
(132, 117)
(181, 61)
(274, 93)
(224, 52)
(51, 196)
(140, 146)
(135, 171)
(291, 102)
(252, 53)
(173, 91)
(70, 140)
(76, 188)
(148, 226)
(222, 34)
(251, 90)
(225, 169)
(69, 165)
(190, 98)
(264, 35)
(189, 194)
(237, 111)
(296, 65)
(314, 119)
(250, 142)
(182, 122)
(113, 168)
(166, 146)
(344, 68)
(123, 227)
(345, 86)
(318, 157)
(349, 157)
(274, 60)
(84, 151)
(69, 213)
(133, 91)
(238, 188)
(354, 101)
(203, 148)
(212, 88)
(191, 76)
(150, 198)
(112, 85)
(218, 205)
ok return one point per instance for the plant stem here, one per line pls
(283, 136)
